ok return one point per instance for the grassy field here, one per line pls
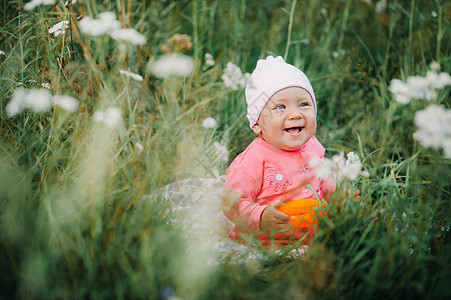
(83, 143)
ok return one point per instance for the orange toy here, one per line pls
(301, 212)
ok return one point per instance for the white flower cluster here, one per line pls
(336, 54)
(209, 61)
(433, 122)
(105, 24)
(111, 117)
(65, 102)
(108, 24)
(38, 100)
(381, 5)
(70, 2)
(33, 3)
(132, 75)
(434, 128)
(233, 77)
(59, 28)
(209, 123)
(129, 35)
(418, 87)
(46, 85)
(338, 168)
(173, 64)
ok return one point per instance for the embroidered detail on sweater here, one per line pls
(277, 179)
(305, 168)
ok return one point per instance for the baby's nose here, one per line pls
(295, 114)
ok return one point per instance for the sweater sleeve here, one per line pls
(239, 203)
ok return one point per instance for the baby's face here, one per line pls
(288, 120)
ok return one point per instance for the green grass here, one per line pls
(73, 220)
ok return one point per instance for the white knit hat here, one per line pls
(270, 76)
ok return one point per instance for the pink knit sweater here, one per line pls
(262, 174)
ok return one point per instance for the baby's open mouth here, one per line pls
(293, 130)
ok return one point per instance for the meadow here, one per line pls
(105, 103)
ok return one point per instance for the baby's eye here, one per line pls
(280, 106)
(303, 104)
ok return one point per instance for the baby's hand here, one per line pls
(274, 219)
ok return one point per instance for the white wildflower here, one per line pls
(418, 87)
(111, 117)
(380, 6)
(132, 75)
(173, 64)
(16, 105)
(434, 128)
(105, 24)
(339, 161)
(70, 2)
(2, 52)
(434, 66)
(233, 77)
(66, 102)
(108, 24)
(438, 81)
(323, 168)
(209, 59)
(59, 28)
(338, 53)
(353, 159)
(128, 35)
(209, 123)
(421, 88)
(33, 3)
(434, 14)
(353, 166)
(38, 100)
(339, 168)
(400, 90)
(46, 85)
